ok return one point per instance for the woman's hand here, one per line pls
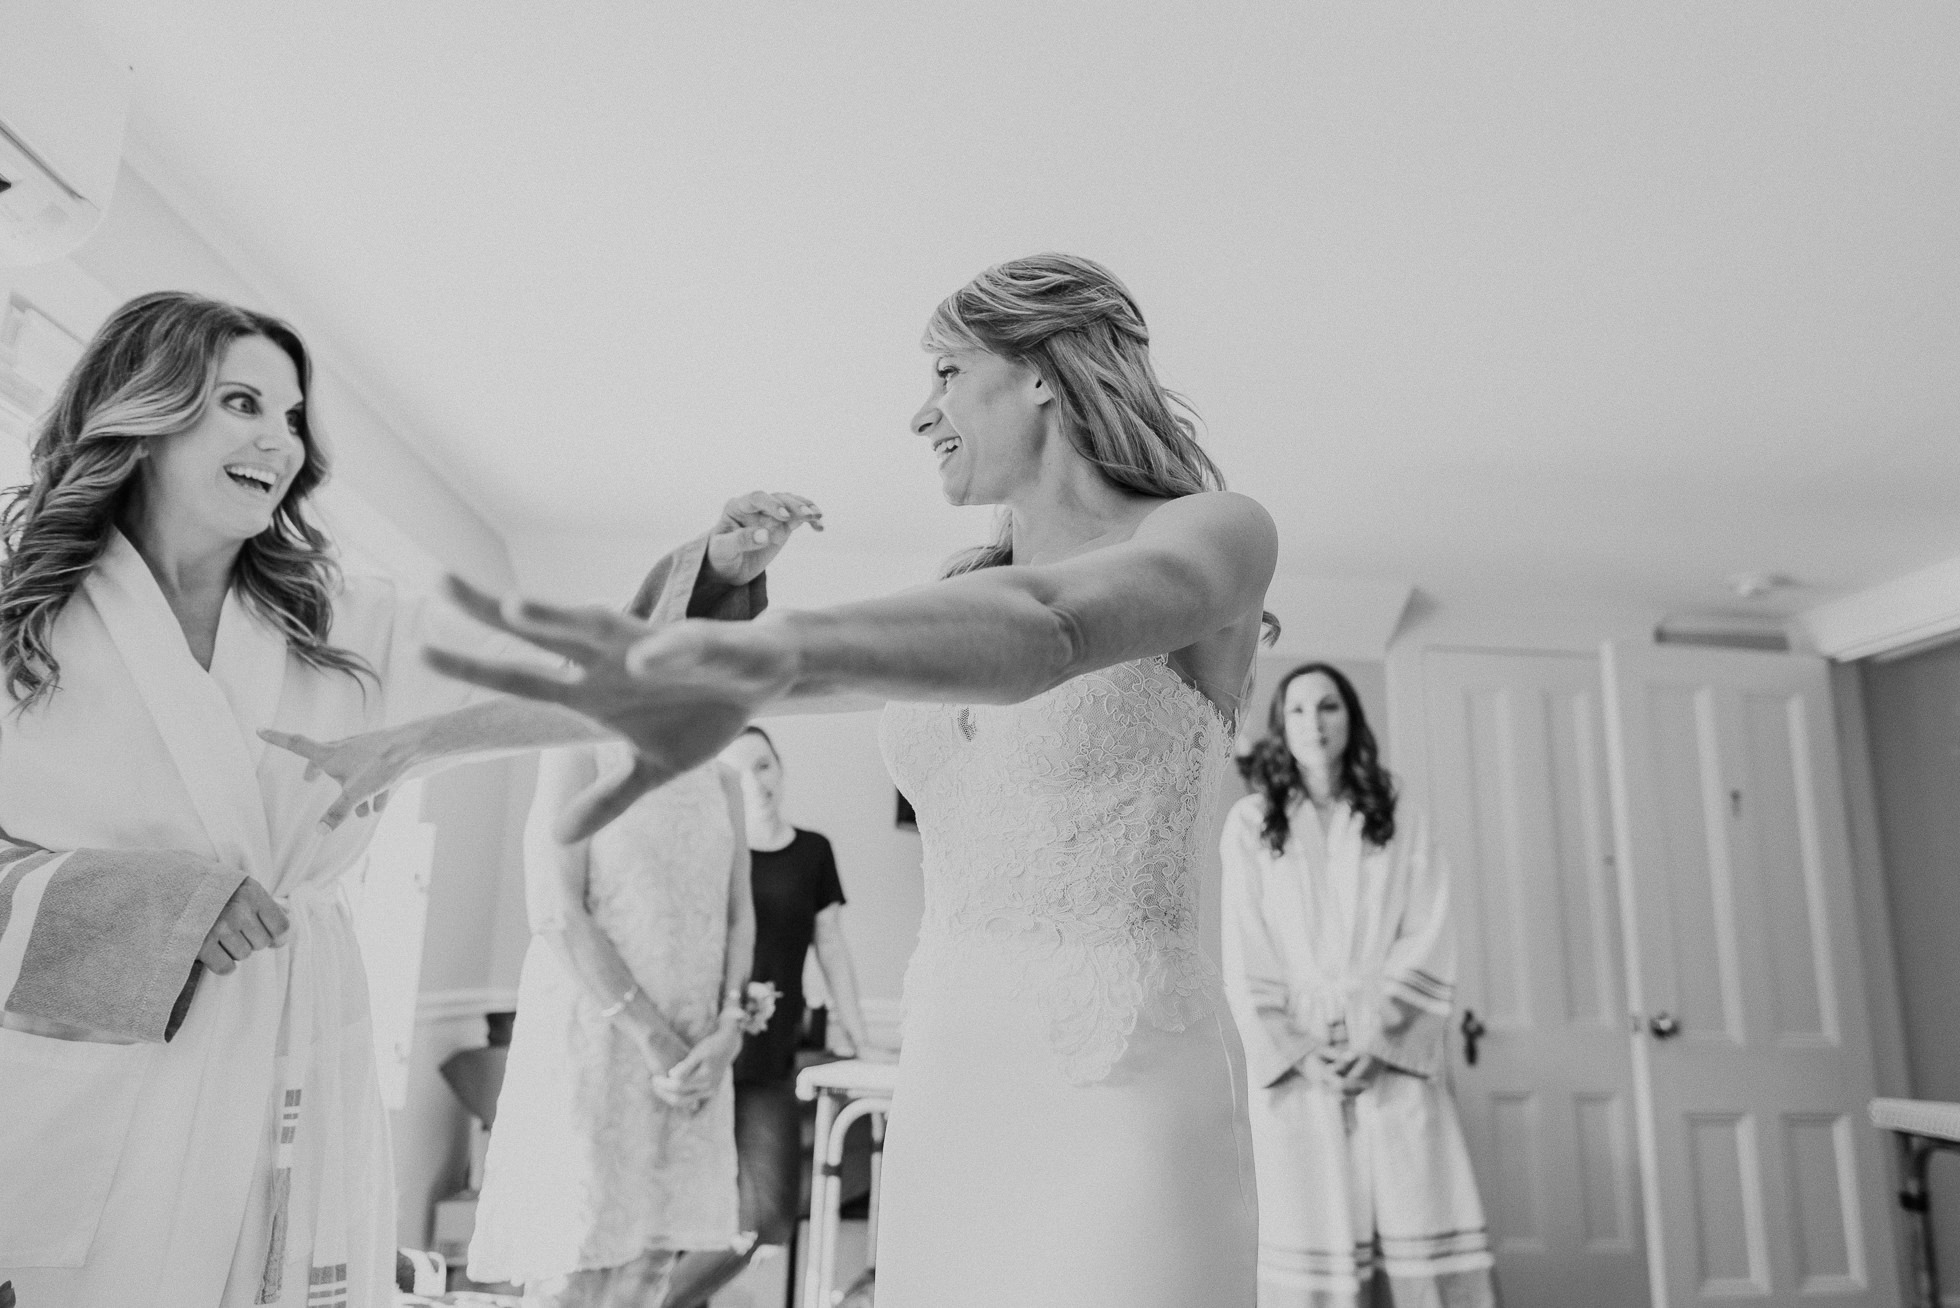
(693, 1081)
(752, 531)
(1395, 1015)
(251, 920)
(1326, 1065)
(1339, 1067)
(677, 693)
(366, 766)
(1360, 1073)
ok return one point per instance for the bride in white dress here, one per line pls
(1070, 1128)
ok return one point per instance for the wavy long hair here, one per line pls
(1363, 781)
(1075, 323)
(147, 376)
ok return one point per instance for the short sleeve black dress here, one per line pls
(790, 887)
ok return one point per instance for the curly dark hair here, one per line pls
(1363, 781)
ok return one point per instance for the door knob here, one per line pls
(1473, 1031)
(1663, 1026)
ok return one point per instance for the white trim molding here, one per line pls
(456, 1005)
(1888, 618)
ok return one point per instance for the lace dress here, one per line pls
(587, 1168)
(1070, 1122)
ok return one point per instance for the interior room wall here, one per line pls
(1912, 707)
(149, 241)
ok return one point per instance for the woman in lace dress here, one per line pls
(1070, 1125)
(614, 1147)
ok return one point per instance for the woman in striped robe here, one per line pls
(1340, 962)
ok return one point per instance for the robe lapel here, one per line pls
(192, 711)
(249, 666)
(1316, 891)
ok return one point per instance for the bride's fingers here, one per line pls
(576, 634)
(606, 800)
(511, 680)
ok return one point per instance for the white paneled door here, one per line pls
(1516, 769)
(1752, 1054)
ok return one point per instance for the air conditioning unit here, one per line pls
(63, 105)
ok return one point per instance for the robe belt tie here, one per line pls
(312, 893)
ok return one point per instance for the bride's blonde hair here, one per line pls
(146, 377)
(1075, 323)
(1072, 321)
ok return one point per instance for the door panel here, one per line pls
(1516, 770)
(1738, 909)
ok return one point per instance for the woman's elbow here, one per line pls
(1054, 652)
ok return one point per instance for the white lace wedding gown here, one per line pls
(1070, 1122)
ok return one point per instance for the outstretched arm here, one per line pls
(1196, 566)
(719, 575)
(1001, 635)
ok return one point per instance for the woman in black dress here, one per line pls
(798, 904)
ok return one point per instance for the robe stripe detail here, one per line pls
(327, 1287)
(272, 1283)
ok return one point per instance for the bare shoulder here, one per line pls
(1214, 511)
(1229, 534)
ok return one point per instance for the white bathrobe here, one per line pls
(245, 1161)
(1317, 940)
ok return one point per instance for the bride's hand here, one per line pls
(366, 766)
(677, 693)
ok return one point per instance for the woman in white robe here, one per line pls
(1340, 962)
(170, 1137)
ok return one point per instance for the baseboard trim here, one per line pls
(455, 1005)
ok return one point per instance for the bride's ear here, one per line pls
(1042, 392)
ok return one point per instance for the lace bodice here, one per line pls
(1061, 839)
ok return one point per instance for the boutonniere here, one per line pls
(758, 1006)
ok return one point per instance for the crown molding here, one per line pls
(1891, 618)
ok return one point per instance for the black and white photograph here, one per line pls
(855, 654)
